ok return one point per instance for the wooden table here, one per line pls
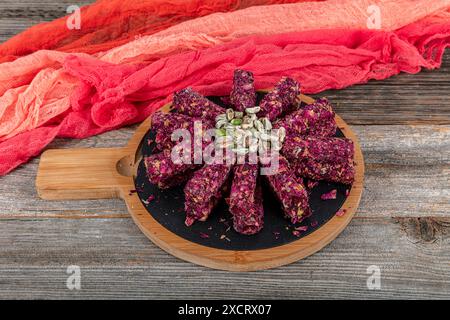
(402, 225)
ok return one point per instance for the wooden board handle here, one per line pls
(84, 173)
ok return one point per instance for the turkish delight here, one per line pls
(290, 191)
(165, 173)
(243, 94)
(165, 125)
(321, 158)
(246, 204)
(316, 119)
(280, 99)
(192, 103)
(204, 190)
(166, 120)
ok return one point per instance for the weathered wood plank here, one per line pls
(16, 16)
(18, 197)
(406, 175)
(404, 99)
(117, 261)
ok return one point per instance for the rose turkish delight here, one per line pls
(164, 173)
(166, 123)
(290, 191)
(322, 149)
(246, 203)
(168, 120)
(321, 158)
(280, 99)
(316, 119)
(243, 94)
(335, 172)
(192, 103)
(204, 190)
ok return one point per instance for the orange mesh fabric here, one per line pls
(110, 23)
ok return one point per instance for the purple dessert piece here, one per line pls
(204, 190)
(192, 103)
(243, 94)
(316, 119)
(290, 191)
(246, 204)
(335, 172)
(164, 173)
(321, 149)
(321, 158)
(280, 99)
(166, 123)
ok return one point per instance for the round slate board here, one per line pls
(167, 207)
(98, 173)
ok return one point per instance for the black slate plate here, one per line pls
(167, 208)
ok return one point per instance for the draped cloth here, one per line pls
(107, 24)
(340, 53)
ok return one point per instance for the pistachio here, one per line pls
(229, 127)
(281, 134)
(222, 116)
(224, 138)
(236, 122)
(265, 136)
(253, 147)
(221, 132)
(259, 126)
(243, 132)
(221, 123)
(254, 132)
(228, 144)
(240, 132)
(246, 119)
(253, 110)
(267, 124)
(275, 145)
(239, 136)
(263, 146)
(240, 151)
(230, 114)
(238, 114)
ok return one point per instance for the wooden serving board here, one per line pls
(109, 173)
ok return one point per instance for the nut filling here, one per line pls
(244, 133)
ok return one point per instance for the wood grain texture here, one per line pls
(16, 16)
(118, 261)
(402, 226)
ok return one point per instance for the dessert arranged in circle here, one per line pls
(277, 143)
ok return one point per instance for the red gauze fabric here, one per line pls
(112, 95)
(319, 60)
(110, 23)
(35, 89)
